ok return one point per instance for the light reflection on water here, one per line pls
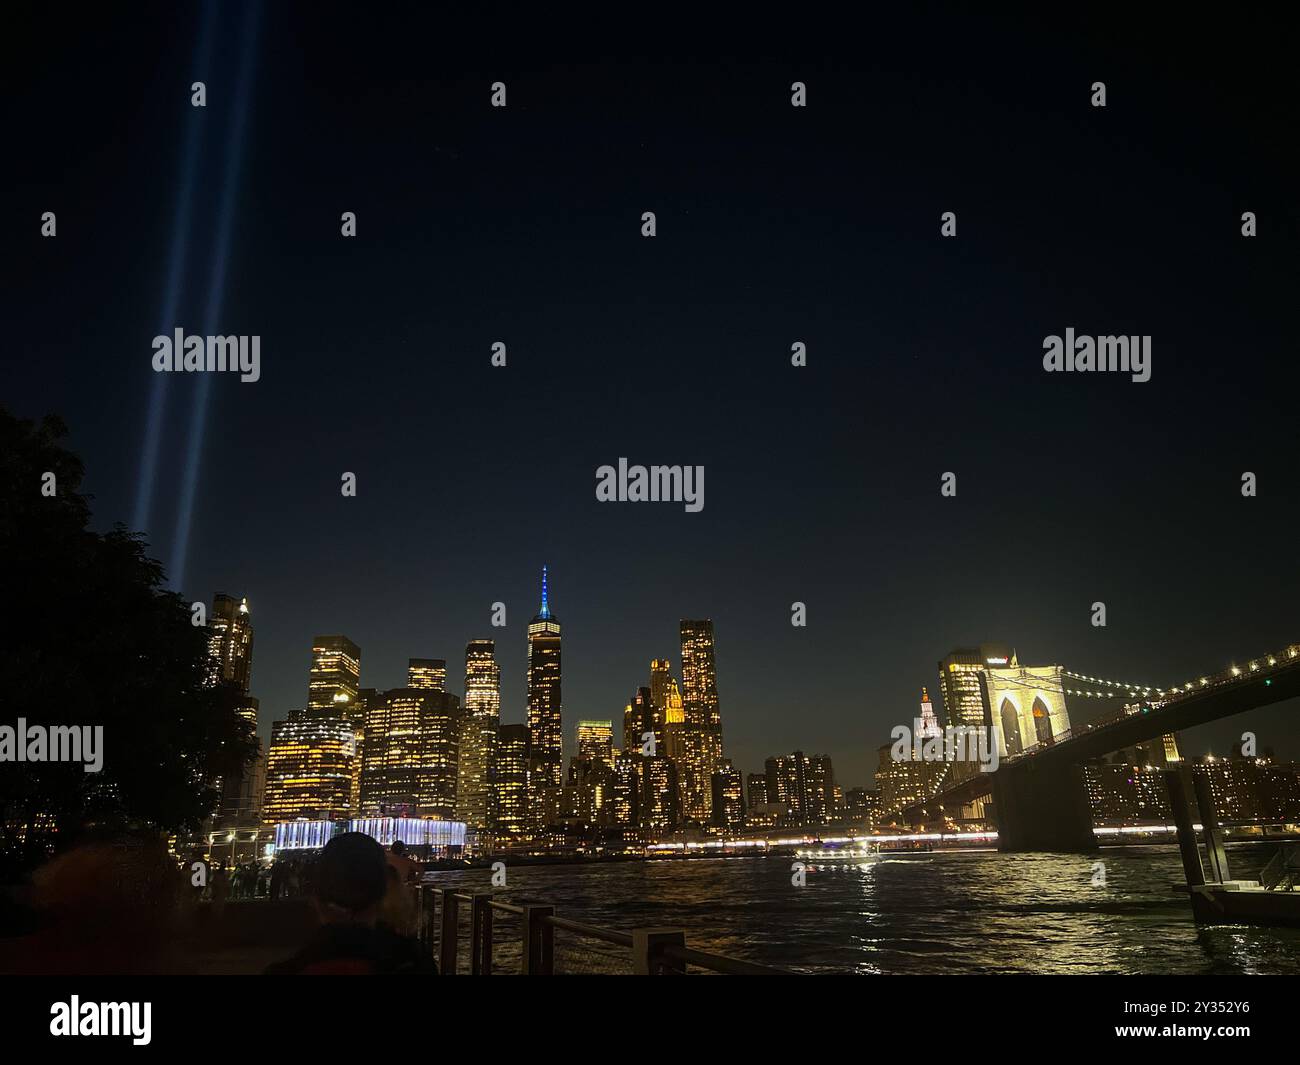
(940, 912)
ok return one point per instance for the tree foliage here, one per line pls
(92, 637)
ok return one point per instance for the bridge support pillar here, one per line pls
(1042, 808)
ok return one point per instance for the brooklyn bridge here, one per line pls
(1037, 797)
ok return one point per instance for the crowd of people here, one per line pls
(119, 907)
(282, 879)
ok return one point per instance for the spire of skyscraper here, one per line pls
(545, 612)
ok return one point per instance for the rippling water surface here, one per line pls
(948, 912)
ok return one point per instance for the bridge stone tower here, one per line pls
(1027, 704)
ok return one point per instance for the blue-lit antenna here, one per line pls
(545, 611)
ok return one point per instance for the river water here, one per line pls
(939, 912)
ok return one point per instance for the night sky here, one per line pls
(775, 225)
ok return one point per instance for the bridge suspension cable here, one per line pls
(1113, 688)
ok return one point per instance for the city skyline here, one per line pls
(1203, 739)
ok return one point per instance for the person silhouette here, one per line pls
(351, 880)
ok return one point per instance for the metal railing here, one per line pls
(1283, 870)
(441, 924)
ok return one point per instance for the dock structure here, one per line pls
(1216, 897)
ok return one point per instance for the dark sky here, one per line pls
(775, 224)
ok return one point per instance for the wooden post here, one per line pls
(539, 941)
(424, 915)
(480, 921)
(647, 951)
(449, 939)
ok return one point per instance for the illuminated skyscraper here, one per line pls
(591, 787)
(335, 678)
(638, 722)
(596, 741)
(230, 642)
(510, 785)
(674, 724)
(702, 734)
(803, 786)
(660, 678)
(230, 661)
(728, 798)
(626, 806)
(545, 731)
(478, 735)
(669, 714)
(313, 765)
(426, 673)
(411, 751)
(787, 785)
(658, 793)
(309, 769)
(820, 805)
(657, 787)
(901, 783)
